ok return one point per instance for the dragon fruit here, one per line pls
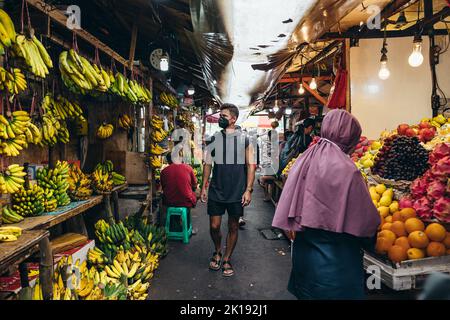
(405, 202)
(440, 151)
(423, 208)
(441, 209)
(436, 190)
(419, 188)
(441, 169)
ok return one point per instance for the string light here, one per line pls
(301, 90)
(416, 58)
(384, 72)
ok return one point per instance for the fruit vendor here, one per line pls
(331, 213)
(179, 183)
(231, 185)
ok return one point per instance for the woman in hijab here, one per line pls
(327, 204)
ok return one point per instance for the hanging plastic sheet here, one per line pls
(338, 93)
(245, 47)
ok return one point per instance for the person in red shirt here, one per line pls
(178, 183)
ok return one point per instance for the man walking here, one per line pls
(231, 185)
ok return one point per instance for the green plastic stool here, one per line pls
(187, 229)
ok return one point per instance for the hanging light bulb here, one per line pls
(384, 72)
(313, 84)
(191, 90)
(210, 111)
(288, 111)
(416, 58)
(276, 109)
(301, 90)
(164, 63)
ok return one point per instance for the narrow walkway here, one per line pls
(262, 267)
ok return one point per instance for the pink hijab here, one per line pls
(324, 189)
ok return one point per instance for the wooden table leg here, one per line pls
(115, 199)
(23, 271)
(107, 204)
(46, 268)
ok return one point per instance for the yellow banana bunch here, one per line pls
(102, 181)
(125, 122)
(158, 135)
(155, 162)
(14, 82)
(8, 234)
(12, 133)
(80, 75)
(156, 122)
(105, 131)
(169, 99)
(12, 180)
(33, 134)
(156, 149)
(53, 130)
(34, 53)
(7, 30)
(79, 184)
(62, 108)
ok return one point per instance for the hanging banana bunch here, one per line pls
(105, 131)
(155, 162)
(125, 122)
(130, 90)
(13, 82)
(62, 108)
(169, 99)
(13, 133)
(7, 31)
(12, 179)
(33, 52)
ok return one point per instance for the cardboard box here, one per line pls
(12, 284)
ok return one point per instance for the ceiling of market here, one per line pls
(232, 50)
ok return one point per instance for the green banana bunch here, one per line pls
(55, 180)
(118, 179)
(10, 216)
(12, 180)
(130, 90)
(28, 203)
(33, 52)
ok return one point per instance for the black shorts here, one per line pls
(218, 208)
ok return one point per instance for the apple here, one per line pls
(401, 129)
(427, 134)
(365, 148)
(424, 125)
(358, 146)
(410, 132)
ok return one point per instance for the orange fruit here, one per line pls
(397, 216)
(383, 245)
(418, 239)
(398, 227)
(403, 242)
(447, 240)
(415, 253)
(435, 249)
(388, 219)
(414, 224)
(407, 213)
(381, 223)
(436, 232)
(386, 226)
(397, 253)
(387, 234)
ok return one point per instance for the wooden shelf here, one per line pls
(16, 252)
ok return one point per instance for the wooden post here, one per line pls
(115, 199)
(46, 268)
(107, 204)
(51, 157)
(23, 271)
(347, 67)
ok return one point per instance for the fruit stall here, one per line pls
(73, 137)
(408, 173)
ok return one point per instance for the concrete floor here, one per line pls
(261, 269)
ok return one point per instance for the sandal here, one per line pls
(227, 268)
(215, 261)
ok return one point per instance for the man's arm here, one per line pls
(206, 173)
(193, 179)
(251, 168)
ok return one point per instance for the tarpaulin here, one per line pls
(338, 93)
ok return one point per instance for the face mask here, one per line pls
(223, 122)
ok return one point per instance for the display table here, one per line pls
(51, 219)
(16, 252)
(408, 274)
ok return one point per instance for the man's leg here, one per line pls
(233, 227)
(214, 229)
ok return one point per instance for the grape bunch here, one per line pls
(401, 158)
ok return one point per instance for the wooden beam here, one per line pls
(60, 18)
(298, 79)
(347, 67)
(134, 33)
(314, 93)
